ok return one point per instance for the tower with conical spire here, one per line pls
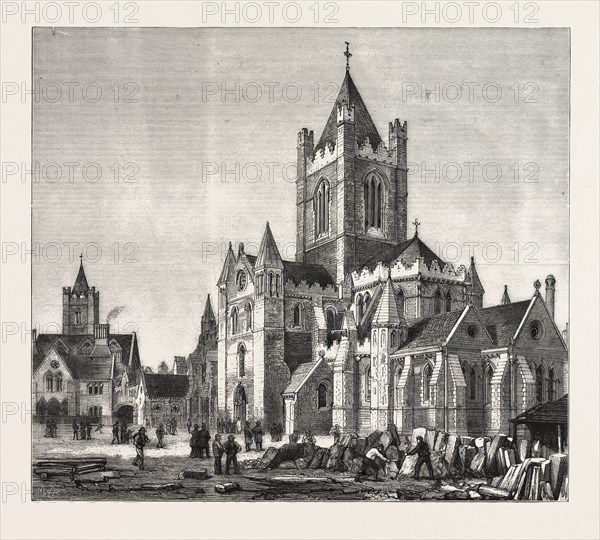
(351, 188)
(389, 333)
(81, 306)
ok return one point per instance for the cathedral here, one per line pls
(368, 326)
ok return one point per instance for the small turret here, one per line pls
(550, 284)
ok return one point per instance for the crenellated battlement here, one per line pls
(345, 112)
(306, 137)
(310, 290)
(381, 153)
(396, 129)
(321, 158)
(401, 269)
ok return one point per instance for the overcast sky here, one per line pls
(178, 107)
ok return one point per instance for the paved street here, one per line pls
(164, 465)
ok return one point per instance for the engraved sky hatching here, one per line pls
(180, 129)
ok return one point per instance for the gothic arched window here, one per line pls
(437, 302)
(297, 315)
(427, 374)
(322, 396)
(448, 301)
(551, 385)
(77, 316)
(359, 308)
(367, 300)
(487, 384)
(241, 360)
(248, 310)
(270, 283)
(368, 383)
(539, 383)
(277, 284)
(401, 301)
(393, 338)
(234, 320)
(472, 384)
(322, 208)
(59, 382)
(49, 383)
(374, 193)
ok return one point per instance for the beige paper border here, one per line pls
(577, 519)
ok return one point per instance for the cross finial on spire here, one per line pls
(347, 54)
(416, 223)
(81, 258)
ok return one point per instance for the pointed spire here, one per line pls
(227, 265)
(473, 276)
(387, 313)
(268, 253)
(209, 314)
(363, 124)
(81, 284)
(505, 297)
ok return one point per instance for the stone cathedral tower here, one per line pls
(81, 306)
(351, 188)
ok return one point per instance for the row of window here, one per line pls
(95, 389)
(234, 316)
(268, 284)
(374, 204)
(545, 387)
(53, 382)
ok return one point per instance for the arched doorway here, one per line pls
(125, 412)
(240, 404)
(53, 407)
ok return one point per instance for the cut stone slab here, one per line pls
(361, 445)
(451, 450)
(372, 439)
(408, 467)
(441, 441)
(524, 450)
(430, 438)
(496, 444)
(395, 435)
(228, 487)
(315, 462)
(386, 439)
(287, 465)
(559, 468)
(199, 474)
(493, 492)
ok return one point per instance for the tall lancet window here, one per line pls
(374, 194)
(322, 208)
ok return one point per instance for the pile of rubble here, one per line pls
(484, 467)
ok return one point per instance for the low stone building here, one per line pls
(163, 397)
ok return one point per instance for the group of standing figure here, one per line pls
(121, 434)
(83, 431)
(51, 428)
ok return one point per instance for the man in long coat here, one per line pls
(218, 452)
(195, 442)
(258, 433)
(203, 438)
(140, 439)
(231, 449)
(248, 436)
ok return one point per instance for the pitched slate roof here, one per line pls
(502, 321)
(552, 412)
(408, 252)
(94, 369)
(387, 310)
(364, 125)
(81, 284)
(301, 374)
(310, 273)
(76, 362)
(268, 253)
(166, 386)
(431, 331)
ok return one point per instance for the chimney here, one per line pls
(101, 334)
(550, 283)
